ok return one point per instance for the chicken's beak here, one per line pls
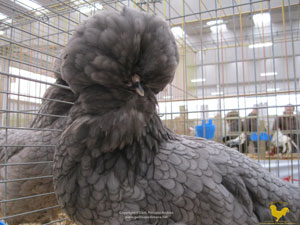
(139, 89)
(137, 84)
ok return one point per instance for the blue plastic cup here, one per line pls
(209, 129)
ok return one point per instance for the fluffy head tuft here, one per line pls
(109, 48)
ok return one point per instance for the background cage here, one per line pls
(235, 55)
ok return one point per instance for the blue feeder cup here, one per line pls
(2, 223)
(265, 137)
(209, 129)
(253, 136)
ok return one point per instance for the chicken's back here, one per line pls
(250, 188)
(32, 150)
(32, 165)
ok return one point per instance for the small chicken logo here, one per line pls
(278, 214)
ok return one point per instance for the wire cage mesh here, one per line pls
(239, 66)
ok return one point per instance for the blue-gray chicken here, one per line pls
(117, 164)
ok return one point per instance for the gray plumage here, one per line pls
(116, 156)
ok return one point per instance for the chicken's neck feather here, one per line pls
(117, 126)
